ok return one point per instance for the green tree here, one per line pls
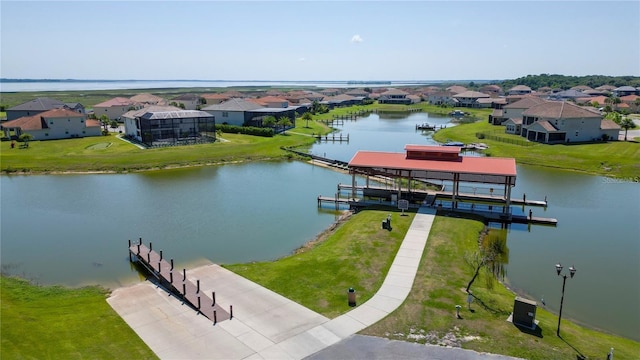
(104, 120)
(114, 124)
(25, 138)
(269, 121)
(284, 122)
(493, 254)
(627, 124)
(306, 117)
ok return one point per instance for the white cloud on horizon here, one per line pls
(356, 39)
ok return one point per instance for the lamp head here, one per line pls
(572, 270)
(558, 268)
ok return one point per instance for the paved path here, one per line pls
(265, 325)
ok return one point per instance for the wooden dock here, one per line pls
(332, 137)
(177, 283)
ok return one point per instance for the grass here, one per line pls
(320, 274)
(616, 158)
(323, 272)
(92, 154)
(60, 323)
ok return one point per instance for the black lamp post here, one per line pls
(572, 271)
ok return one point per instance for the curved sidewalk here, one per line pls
(265, 325)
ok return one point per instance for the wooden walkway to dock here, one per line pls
(177, 283)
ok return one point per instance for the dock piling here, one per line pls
(160, 255)
(213, 298)
(184, 274)
(171, 265)
(184, 289)
(215, 317)
(198, 287)
(171, 277)
(230, 312)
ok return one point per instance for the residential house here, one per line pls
(357, 93)
(608, 88)
(40, 105)
(514, 110)
(582, 88)
(567, 95)
(329, 92)
(211, 99)
(314, 96)
(442, 98)
(394, 96)
(513, 126)
(600, 100)
(233, 111)
(624, 90)
(130, 118)
(632, 101)
(414, 98)
(161, 128)
(148, 99)
(492, 90)
(342, 100)
(53, 124)
(562, 121)
(519, 90)
(456, 89)
(189, 101)
(114, 108)
(271, 102)
(470, 98)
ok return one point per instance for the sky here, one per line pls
(317, 40)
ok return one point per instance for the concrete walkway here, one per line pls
(265, 325)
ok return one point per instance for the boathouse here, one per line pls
(443, 163)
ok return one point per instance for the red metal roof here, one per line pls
(464, 164)
(427, 148)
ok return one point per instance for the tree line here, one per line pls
(564, 82)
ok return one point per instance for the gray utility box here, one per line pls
(524, 312)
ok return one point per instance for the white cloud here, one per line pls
(302, 59)
(356, 39)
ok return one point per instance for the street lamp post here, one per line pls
(572, 271)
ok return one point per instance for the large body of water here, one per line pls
(9, 85)
(73, 229)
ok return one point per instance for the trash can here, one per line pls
(351, 295)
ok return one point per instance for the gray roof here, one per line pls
(153, 108)
(625, 88)
(395, 92)
(234, 104)
(39, 104)
(275, 110)
(178, 114)
(187, 97)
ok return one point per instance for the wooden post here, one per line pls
(150, 246)
(130, 251)
(159, 263)
(213, 297)
(138, 249)
(171, 277)
(171, 264)
(230, 312)
(184, 289)
(198, 286)
(215, 317)
(198, 302)
(160, 255)
(184, 274)
(148, 258)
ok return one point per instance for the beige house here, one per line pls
(470, 98)
(148, 99)
(564, 122)
(189, 101)
(53, 124)
(115, 107)
(519, 90)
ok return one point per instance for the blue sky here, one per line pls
(318, 40)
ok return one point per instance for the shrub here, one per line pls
(246, 130)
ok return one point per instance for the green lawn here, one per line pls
(60, 323)
(616, 158)
(318, 278)
(109, 153)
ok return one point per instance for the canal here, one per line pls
(73, 229)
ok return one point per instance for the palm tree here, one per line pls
(307, 116)
(269, 121)
(284, 122)
(627, 124)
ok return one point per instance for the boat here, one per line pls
(453, 143)
(457, 113)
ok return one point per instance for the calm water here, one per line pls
(262, 211)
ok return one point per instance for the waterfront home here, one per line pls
(470, 98)
(130, 118)
(492, 90)
(394, 96)
(514, 110)
(632, 101)
(342, 100)
(442, 98)
(189, 101)
(519, 90)
(329, 92)
(160, 128)
(567, 95)
(271, 102)
(233, 111)
(114, 108)
(52, 124)
(357, 93)
(456, 89)
(513, 126)
(40, 105)
(608, 88)
(561, 121)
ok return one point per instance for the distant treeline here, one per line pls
(565, 82)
